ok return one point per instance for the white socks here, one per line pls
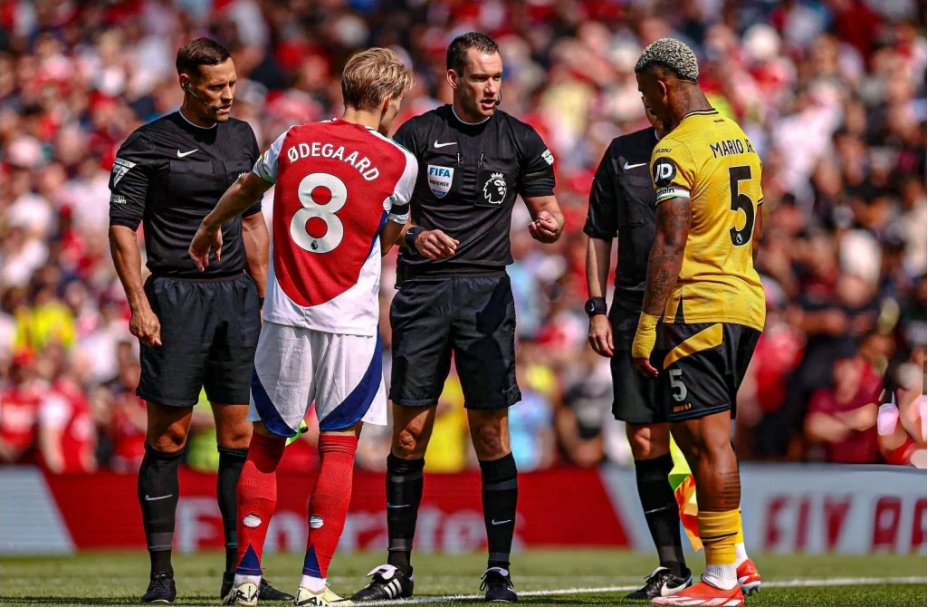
(741, 554)
(313, 584)
(246, 578)
(722, 577)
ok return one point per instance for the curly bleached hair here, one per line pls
(672, 56)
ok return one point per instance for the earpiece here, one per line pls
(186, 86)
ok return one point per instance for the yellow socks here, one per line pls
(719, 532)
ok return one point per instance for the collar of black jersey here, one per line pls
(184, 122)
(466, 127)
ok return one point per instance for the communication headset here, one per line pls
(186, 86)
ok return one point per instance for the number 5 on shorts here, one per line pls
(676, 384)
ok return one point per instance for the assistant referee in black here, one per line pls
(622, 205)
(473, 161)
(197, 330)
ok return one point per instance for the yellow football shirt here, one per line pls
(708, 159)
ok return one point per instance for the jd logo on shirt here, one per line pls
(440, 179)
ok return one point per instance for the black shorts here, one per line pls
(703, 368)
(634, 396)
(209, 332)
(472, 317)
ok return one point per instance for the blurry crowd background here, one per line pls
(832, 92)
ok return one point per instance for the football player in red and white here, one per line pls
(341, 200)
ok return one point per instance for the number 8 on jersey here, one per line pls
(336, 184)
(322, 196)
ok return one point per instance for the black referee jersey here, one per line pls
(170, 174)
(469, 177)
(622, 204)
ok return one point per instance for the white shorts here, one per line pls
(295, 366)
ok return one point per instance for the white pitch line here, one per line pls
(840, 582)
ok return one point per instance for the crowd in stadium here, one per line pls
(831, 92)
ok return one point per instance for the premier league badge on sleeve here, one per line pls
(440, 179)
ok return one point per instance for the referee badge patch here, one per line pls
(120, 168)
(440, 179)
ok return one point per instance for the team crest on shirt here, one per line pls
(120, 168)
(494, 190)
(440, 179)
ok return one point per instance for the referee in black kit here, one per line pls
(622, 204)
(197, 330)
(473, 161)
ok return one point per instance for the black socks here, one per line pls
(500, 493)
(661, 510)
(158, 492)
(404, 493)
(231, 461)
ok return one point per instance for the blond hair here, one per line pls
(372, 75)
(672, 55)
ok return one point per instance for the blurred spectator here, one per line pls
(585, 410)
(67, 436)
(19, 411)
(531, 424)
(842, 418)
(832, 92)
(449, 446)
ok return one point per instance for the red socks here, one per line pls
(329, 504)
(256, 500)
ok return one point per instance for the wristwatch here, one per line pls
(411, 235)
(595, 306)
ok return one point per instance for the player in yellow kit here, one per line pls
(701, 281)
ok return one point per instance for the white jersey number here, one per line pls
(313, 186)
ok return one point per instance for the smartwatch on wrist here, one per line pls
(595, 306)
(411, 235)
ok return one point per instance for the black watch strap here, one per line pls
(411, 235)
(595, 306)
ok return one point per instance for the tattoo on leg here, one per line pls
(729, 495)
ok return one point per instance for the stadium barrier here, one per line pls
(786, 509)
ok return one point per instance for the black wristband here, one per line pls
(260, 302)
(594, 306)
(411, 235)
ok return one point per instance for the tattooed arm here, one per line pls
(673, 227)
(674, 217)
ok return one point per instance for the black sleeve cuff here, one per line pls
(130, 223)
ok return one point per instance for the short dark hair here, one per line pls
(457, 50)
(198, 52)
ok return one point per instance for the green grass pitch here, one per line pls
(543, 577)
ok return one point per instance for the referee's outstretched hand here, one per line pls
(202, 242)
(435, 245)
(543, 228)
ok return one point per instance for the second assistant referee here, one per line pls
(622, 206)
(197, 330)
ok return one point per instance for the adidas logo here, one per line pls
(393, 588)
(314, 601)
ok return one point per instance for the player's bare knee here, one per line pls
(234, 438)
(489, 441)
(170, 440)
(410, 443)
(648, 441)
